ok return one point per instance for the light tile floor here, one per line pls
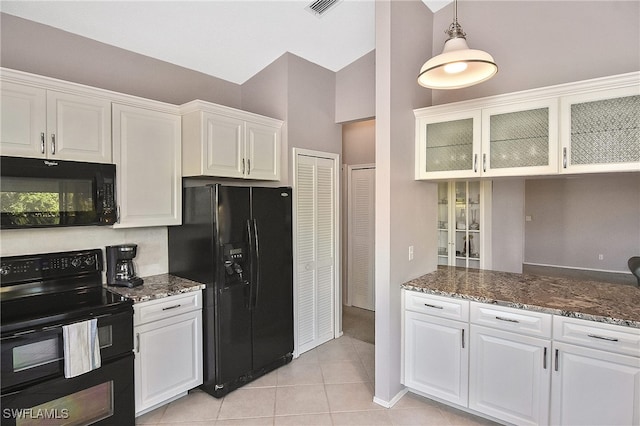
(329, 385)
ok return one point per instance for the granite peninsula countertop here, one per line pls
(157, 287)
(591, 300)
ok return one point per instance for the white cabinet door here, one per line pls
(520, 139)
(436, 357)
(448, 146)
(226, 142)
(224, 155)
(509, 376)
(78, 128)
(23, 120)
(262, 151)
(600, 131)
(168, 359)
(592, 387)
(147, 153)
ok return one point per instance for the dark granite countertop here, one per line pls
(157, 287)
(591, 300)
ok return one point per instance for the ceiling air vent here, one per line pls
(320, 7)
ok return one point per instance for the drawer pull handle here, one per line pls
(507, 319)
(433, 306)
(171, 307)
(544, 359)
(137, 342)
(557, 367)
(608, 339)
(463, 338)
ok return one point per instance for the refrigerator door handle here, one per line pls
(250, 256)
(255, 262)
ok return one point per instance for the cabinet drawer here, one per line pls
(166, 307)
(443, 307)
(517, 320)
(609, 337)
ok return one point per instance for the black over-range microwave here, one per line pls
(49, 193)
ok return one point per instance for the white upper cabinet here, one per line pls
(226, 142)
(520, 139)
(448, 146)
(601, 131)
(23, 120)
(147, 154)
(583, 127)
(262, 151)
(56, 125)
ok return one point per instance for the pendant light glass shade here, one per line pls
(457, 66)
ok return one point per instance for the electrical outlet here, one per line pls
(410, 252)
(601, 257)
(528, 218)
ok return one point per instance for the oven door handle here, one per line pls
(20, 333)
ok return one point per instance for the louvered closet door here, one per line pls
(361, 238)
(316, 224)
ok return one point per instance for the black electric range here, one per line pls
(39, 294)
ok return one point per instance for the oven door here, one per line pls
(31, 356)
(104, 396)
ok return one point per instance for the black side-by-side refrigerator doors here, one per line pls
(254, 279)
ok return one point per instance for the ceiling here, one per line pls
(232, 40)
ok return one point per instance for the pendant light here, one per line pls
(457, 66)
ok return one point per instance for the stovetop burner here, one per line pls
(56, 288)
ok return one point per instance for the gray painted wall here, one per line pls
(507, 225)
(405, 209)
(355, 90)
(40, 49)
(576, 219)
(541, 43)
(359, 142)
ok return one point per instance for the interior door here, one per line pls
(361, 249)
(316, 250)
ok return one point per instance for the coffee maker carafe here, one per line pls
(121, 271)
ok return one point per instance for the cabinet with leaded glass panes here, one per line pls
(520, 139)
(447, 146)
(464, 220)
(581, 127)
(600, 130)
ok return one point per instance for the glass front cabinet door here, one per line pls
(464, 222)
(600, 131)
(448, 145)
(520, 139)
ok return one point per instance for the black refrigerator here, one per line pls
(238, 242)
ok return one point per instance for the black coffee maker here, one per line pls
(120, 269)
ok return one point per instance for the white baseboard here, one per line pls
(394, 400)
(576, 268)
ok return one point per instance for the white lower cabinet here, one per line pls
(168, 349)
(589, 374)
(436, 350)
(509, 376)
(509, 370)
(598, 382)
